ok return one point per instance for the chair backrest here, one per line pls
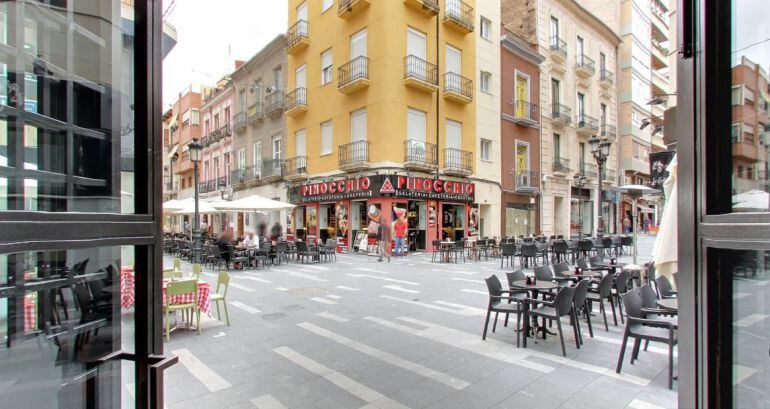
(517, 275)
(558, 269)
(581, 292)
(563, 300)
(177, 264)
(436, 245)
(82, 295)
(581, 263)
(529, 250)
(649, 298)
(664, 286)
(605, 286)
(543, 273)
(301, 246)
(282, 247)
(459, 244)
(621, 281)
(572, 244)
(627, 240)
(607, 241)
(196, 271)
(223, 280)
(508, 249)
(494, 287)
(171, 273)
(616, 240)
(331, 245)
(595, 259)
(585, 245)
(632, 302)
(559, 246)
(181, 288)
(216, 252)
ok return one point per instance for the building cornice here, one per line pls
(522, 49)
(589, 18)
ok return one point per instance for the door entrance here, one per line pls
(416, 217)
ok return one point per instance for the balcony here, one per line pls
(660, 82)
(561, 114)
(609, 131)
(609, 176)
(349, 8)
(458, 162)
(274, 103)
(586, 125)
(420, 156)
(527, 181)
(458, 88)
(560, 166)
(254, 113)
(636, 163)
(297, 38)
(588, 171)
(659, 56)
(745, 150)
(217, 135)
(247, 174)
(354, 156)
(295, 168)
(584, 66)
(354, 75)
(458, 15)
(429, 7)
(558, 49)
(420, 74)
(606, 78)
(272, 169)
(659, 19)
(296, 102)
(525, 113)
(213, 185)
(239, 121)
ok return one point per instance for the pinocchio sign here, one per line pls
(388, 186)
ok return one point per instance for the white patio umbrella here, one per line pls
(636, 191)
(253, 203)
(170, 206)
(752, 200)
(203, 207)
(664, 251)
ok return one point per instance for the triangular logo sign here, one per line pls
(387, 187)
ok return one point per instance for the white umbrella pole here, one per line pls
(634, 223)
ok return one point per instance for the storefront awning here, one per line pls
(173, 150)
(645, 209)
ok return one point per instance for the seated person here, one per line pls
(224, 243)
(250, 242)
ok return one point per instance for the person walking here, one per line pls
(627, 224)
(383, 239)
(399, 229)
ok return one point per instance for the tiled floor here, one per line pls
(405, 334)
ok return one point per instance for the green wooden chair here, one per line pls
(177, 264)
(196, 271)
(222, 281)
(169, 273)
(180, 288)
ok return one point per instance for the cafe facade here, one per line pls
(341, 209)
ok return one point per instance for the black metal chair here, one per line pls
(303, 252)
(553, 310)
(542, 251)
(627, 243)
(599, 246)
(644, 329)
(617, 245)
(282, 252)
(664, 288)
(508, 252)
(572, 247)
(528, 252)
(580, 305)
(458, 249)
(438, 250)
(329, 250)
(560, 250)
(620, 287)
(544, 273)
(585, 247)
(498, 303)
(602, 293)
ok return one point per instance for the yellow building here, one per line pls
(371, 84)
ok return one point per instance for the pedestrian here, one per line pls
(647, 223)
(186, 226)
(383, 239)
(399, 229)
(276, 232)
(627, 224)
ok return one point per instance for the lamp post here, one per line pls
(601, 151)
(195, 149)
(579, 183)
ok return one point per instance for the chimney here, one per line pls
(238, 63)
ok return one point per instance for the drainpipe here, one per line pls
(438, 101)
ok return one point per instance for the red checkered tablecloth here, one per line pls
(30, 313)
(127, 297)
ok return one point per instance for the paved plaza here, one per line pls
(405, 334)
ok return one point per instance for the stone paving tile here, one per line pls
(242, 353)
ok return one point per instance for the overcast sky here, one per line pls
(211, 34)
(751, 22)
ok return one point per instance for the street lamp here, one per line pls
(601, 151)
(579, 183)
(195, 149)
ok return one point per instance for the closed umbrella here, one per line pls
(664, 251)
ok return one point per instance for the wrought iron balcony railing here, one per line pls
(297, 34)
(353, 153)
(297, 98)
(355, 70)
(609, 131)
(561, 165)
(558, 47)
(421, 70)
(607, 77)
(585, 64)
(526, 110)
(588, 170)
(420, 154)
(254, 113)
(214, 184)
(459, 13)
(239, 122)
(586, 123)
(295, 166)
(457, 84)
(458, 161)
(561, 113)
(274, 103)
(527, 181)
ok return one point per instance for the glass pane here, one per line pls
(750, 132)
(60, 311)
(751, 326)
(66, 106)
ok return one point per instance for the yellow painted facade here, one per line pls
(386, 98)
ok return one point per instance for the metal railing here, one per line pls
(527, 181)
(585, 122)
(585, 62)
(354, 152)
(459, 13)
(239, 121)
(588, 170)
(345, 5)
(458, 84)
(419, 152)
(296, 33)
(355, 69)
(561, 112)
(607, 76)
(416, 67)
(561, 165)
(458, 160)
(608, 175)
(295, 166)
(429, 5)
(213, 184)
(609, 131)
(296, 98)
(526, 110)
(254, 112)
(217, 135)
(272, 168)
(274, 102)
(558, 46)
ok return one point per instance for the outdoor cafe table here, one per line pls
(127, 296)
(534, 289)
(609, 266)
(446, 246)
(669, 304)
(584, 274)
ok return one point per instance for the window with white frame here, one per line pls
(485, 79)
(748, 95)
(195, 117)
(326, 5)
(277, 148)
(486, 147)
(327, 138)
(242, 158)
(257, 154)
(486, 28)
(416, 121)
(327, 73)
(735, 132)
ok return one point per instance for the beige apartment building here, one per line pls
(578, 95)
(258, 128)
